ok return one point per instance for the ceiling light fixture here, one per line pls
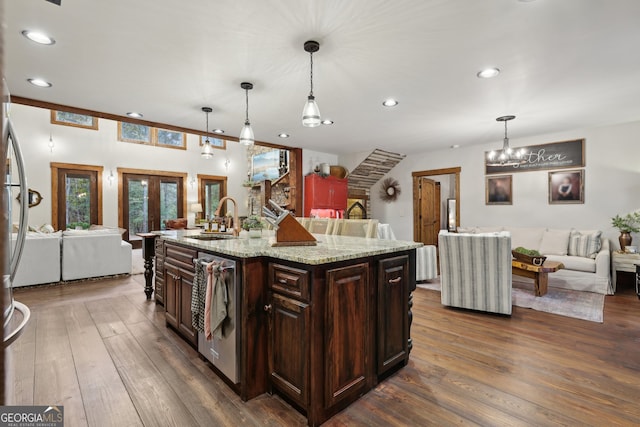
(283, 135)
(219, 131)
(39, 82)
(246, 134)
(390, 102)
(327, 122)
(311, 112)
(38, 37)
(134, 115)
(507, 156)
(207, 148)
(488, 73)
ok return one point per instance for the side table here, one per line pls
(622, 261)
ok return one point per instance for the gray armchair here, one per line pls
(475, 271)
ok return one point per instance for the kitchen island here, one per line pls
(319, 325)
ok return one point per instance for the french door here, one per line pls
(211, 189)
(148, 200)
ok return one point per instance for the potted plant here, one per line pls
(253, 225)
(627, 224)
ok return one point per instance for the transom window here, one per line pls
(148, 135)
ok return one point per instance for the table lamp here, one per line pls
(196, 208)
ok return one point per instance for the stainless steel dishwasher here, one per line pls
(221, 352)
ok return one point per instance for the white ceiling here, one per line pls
(566, 64)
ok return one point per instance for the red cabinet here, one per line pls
(324, 193)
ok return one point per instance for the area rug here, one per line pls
(563, 302)
(137, 262)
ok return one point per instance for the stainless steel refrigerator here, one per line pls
(16, 314)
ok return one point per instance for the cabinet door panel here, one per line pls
(172, 284)
(347, 331)
(393, 325)
(184, 326)
(288, 349)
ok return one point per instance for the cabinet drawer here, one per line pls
(180, 256)
(289, 281)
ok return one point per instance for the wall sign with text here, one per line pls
(556, 155)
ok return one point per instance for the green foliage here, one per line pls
(629, 223)
(530, 252)
(252, 222)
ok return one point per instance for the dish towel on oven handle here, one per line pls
(198, 296)
(216, 301)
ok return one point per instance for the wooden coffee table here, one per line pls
(539, 273)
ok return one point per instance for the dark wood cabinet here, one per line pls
(159, 270)
(393, 325)
(347, 333)
(289, 348)
(178, 276)
(324, 193)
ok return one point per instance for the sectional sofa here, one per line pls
(586, 255)
(72, 255)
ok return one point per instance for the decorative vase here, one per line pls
(624, 239)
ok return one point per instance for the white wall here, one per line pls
(101, 148)
(310, 159)
(612, 185)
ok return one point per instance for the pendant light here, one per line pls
(311, 112)
(207, 148)
(507, 156)
(246, 134)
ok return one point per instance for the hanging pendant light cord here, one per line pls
(505, 130)
(246, 92)
(311, 74)
(207, 129)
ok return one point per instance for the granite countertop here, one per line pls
(329, 248)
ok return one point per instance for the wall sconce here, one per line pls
(50, 144)
(193, 181)
(111, 178)
(227, 162)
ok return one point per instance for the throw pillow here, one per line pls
(555, 242)
(46, 228)
(585, 245)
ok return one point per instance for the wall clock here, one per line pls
(390, 190)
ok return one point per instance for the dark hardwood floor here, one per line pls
(102, 350)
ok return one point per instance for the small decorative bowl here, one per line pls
(534, 260)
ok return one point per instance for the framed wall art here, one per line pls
(566, 187)
(499, 190)
(66, 118)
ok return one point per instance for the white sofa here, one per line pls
(94, 253)
(40, 260)
(569, 246)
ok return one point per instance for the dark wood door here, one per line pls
(289, 347)
(171, 287)
(393, 327)
(184, 312)
(429, 215)
(77, 198)
(347, 333)
(148, 200)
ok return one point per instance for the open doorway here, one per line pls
(431, 191)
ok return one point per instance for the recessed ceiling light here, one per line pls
(327, 122)
(488, 73)
(134, 115)
(454, 146)
(390, 102)
(219, 131)
(283, 135)
(38, 37)
(39, 82)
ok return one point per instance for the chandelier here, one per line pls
(507, 156)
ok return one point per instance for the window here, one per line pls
(143, 134)
(66, 118)
(77, 195)
(218, 143)
(211, 190)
